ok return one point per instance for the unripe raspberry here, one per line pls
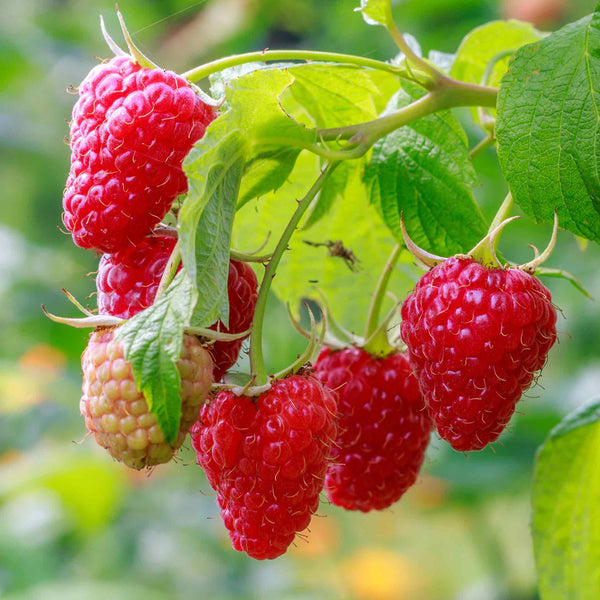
(128, 280)
(476, 338)
(131, 129)
(266, 458)
(384, 428)
(117, 414)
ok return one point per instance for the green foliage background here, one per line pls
(75, 524)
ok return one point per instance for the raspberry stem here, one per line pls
(257, 361)
(379, 293)
(203, 71)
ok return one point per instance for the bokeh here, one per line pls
(75, 524)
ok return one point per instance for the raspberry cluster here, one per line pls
(117, 414)
(384, 427)
(476, 337)
(266, 458)
(131, 129)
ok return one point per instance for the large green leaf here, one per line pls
(330, 95)
(423, 171)
(304, 268)
(548, 127)
(152, 342)
(486, 43)
(566, 511)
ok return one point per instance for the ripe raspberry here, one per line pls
(127, 281)
(383, 424)
(266, 458)
(132, 127)
(242, 290)
(117, 413)
(476, 337)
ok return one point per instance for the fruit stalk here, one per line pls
(379, 293)
(257, 362)
(203, 71)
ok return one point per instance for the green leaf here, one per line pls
(423, 171)
(548, 127)
(331, 95)
(305, 267)
(566, 512)
(487, 42)
(326, 95)
(214, 169)
(152, 342)
(375, 12)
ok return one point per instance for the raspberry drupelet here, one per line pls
(384, 428)
(266, 458)
(132, 127)
(117, 414)
(476, 337)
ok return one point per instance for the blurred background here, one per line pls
(75, 524)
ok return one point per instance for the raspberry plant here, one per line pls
(351, 155)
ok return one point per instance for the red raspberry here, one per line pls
(266, 458)
(117, 414)
(384, 428)
(476, 337)
(127, 281)
(242, 290)
(132, 127)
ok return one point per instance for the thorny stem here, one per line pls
(170, 270)
(215, 66)
(257, 361)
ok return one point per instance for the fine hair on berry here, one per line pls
(266, 458)
(127, 281)
(383, 427)
(476, 338)
(132, 127)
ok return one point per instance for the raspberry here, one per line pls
(266, 458)
(242, 290)
(127, 281)
(384, 428)
(117, 413)
(476, 337)
(131, 129)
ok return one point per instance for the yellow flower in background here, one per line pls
(24, 384)
(382, 574)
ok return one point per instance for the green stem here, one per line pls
(502, 212)
(379, 293)
(483, 144)
(215, 66)
(257, 361)
(362, 136)
(434, 78)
